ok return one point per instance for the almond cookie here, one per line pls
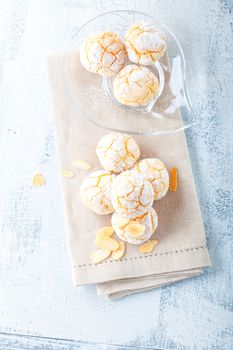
(132, 195)
(117, 152)
(95, 192)
(135, 86)
(154, 171)
(103, 53)
(144, 43)
(148, 220)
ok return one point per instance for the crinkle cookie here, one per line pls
(95, 192)
(135, 86)
(154, 171)
(126, 229)
(103, 53)
(132, 195)
(144, 43)
(117, 152)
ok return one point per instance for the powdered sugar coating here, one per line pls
(132, 195)
(95, 192)
(149, 219)
(154, 171)
(117, 152)
(103, 53)
(135, 86)
(144, 43)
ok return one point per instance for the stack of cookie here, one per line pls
(126, 187)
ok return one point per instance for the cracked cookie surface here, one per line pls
(144, 43)
(135, 86)
(117, 152)
(148, 219)
(132, 195)
(95, 192)
(103, 53)
(154, 170)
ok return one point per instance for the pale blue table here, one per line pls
(39, 308)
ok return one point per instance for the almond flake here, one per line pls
(99, 255)
(135, 230)
(38, 180)
(81, 164)
(173, 179)
(107, 243)
(148, 246)
(103, 232)
(122, 222)
(117, 254)
(67, 173)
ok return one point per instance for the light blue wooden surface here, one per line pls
(38, 305)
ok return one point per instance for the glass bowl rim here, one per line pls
(185, 90)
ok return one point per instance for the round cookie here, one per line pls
(103, 53)
(95, 192)
(149, 219)
(132, 195)
(154, 171)
(117, 152)
(135, 86)
(144, 43)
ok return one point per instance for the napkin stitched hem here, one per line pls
(177, 251)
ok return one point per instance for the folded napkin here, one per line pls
(182, 250)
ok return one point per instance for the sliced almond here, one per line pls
(121, 222)
(67, 173)
(148, 246)
(173, 179)
(38, 180)
(103, 232)
(81, 164)
(117, 254)
(99, 255)
(135, 230)
(107, 243)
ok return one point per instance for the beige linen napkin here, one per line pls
(181, 252)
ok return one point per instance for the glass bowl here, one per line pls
(170, 112)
